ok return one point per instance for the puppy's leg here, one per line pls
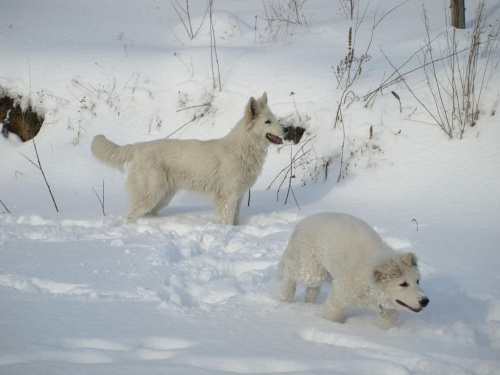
(288, 286)
(312, 294)
(387, 318)
(334, 308)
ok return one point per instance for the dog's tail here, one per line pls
(280, 271)
(111, 153)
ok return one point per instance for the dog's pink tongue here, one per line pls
(275, 139)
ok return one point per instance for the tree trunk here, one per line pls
(458, 13)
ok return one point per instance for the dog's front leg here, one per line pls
(334, 308)
(387, 318)
(226, 207)
(237, 211)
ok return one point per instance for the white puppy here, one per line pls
(364, 271)
(224, 168)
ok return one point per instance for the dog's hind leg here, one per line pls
(142, 206)
(312, 294)
(162, 203)
(146, 190)
(288, 286)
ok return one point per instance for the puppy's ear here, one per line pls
(263, 100)
(386, 271)
(410, 259)
(252, 110)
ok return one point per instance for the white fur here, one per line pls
(364, 271)
(222, 168)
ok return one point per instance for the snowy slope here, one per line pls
(84, 293)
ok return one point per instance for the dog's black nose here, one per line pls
(424, 301)
(286, 129)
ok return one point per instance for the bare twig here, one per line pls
(101, 201)
(389, 82)
(39, 166)
(289, 172)
(213, 46)
(194, 106)
(187, 22)
(187, 123)
(455, 85)
(416, 222)
(4, 206)
(494, 106)
(411, 91)
(281, 16)
(348, 7)
(352, 65)
(389, 12)
(290, 188)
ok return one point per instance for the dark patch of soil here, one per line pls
(25, 124)
(294, 134)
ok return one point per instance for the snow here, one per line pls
(83, 293)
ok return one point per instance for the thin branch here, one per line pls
(30, 160)
(43, 174)
(416, 222)
(194, 106)
(213, 44)
(295, 159)
(413, 94)
(187, 123)
(39, 166)
(101, 201)
(4, 206)
(389, 12)
(388, 83)
(290, 182)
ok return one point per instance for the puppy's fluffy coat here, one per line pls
(364, 271)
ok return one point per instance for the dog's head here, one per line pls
(261, 121)
(399, 279)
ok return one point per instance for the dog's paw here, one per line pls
(335, 315)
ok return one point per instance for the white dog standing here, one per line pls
(222, 168)
(364, 271)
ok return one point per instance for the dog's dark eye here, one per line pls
(418, 282)
(268, 121)
(404, 285)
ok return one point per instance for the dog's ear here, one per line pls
(410, 259)
(386, 271)
(263, 100)
(252, 110)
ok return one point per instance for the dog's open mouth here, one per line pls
(408, 307)
(274, 139)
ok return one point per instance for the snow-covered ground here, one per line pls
(83, 293)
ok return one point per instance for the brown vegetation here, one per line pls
(26, 124)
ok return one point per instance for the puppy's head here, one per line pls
(399, 279)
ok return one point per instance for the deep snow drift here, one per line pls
(84, 293)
